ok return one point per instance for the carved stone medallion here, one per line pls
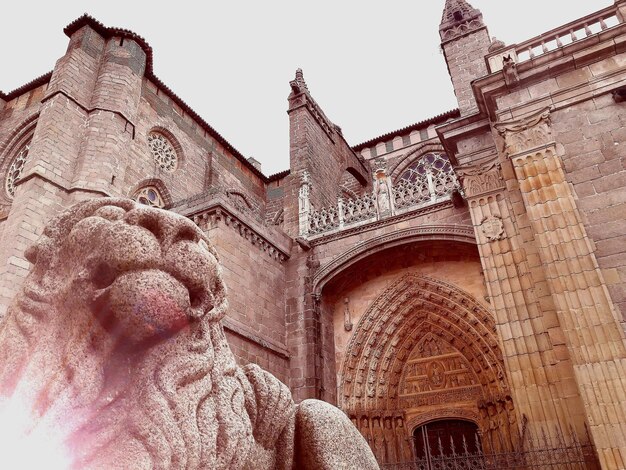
(493, 228)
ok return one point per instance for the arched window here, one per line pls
(162, 151)
(149, 196)
(16, 167)
(434, 172)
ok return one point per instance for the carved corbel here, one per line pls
(527, 133)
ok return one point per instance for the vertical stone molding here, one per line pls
(55, 147)
(592, 333)
(539, 371)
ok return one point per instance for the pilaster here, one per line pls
(538, 366)
(591, 330)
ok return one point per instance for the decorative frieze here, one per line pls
(432, 181)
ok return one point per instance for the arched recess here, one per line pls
(426, 349)
(440, 414)
(358, 175)
(350, 187)
(156, 183)
(457, 233)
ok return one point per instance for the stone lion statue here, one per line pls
(116, 337)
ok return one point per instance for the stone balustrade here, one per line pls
(557, 38)
(385, 200)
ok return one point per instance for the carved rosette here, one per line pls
(526, 134)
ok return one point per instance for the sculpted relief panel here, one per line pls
(481, 179)
(433, 366)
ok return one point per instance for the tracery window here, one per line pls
(434, 171)
(149, 196)
(162, 151)
(15, 169)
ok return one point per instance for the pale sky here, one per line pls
(372, 66)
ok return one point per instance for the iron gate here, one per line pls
(537, 452)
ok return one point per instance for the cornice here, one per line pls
(218, 209)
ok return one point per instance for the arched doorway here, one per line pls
(445, 439)
(425, 351)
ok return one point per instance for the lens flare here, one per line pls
(29, 443)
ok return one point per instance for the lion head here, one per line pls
(116, 334)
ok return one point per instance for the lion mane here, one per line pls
(115, 336)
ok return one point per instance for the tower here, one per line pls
(465, 42)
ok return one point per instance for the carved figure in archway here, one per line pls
(116, 337)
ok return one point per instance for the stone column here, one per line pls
(538, 366)
(589, 321)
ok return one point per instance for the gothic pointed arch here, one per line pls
(428, 350)
(410, 308)
(416, 152)
(145, 189)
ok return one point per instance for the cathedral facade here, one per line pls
(462, 276)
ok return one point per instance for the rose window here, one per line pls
(149, 196)
(15, 170)
(162, 151)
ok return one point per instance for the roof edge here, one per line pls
(108, 32)
(35, 83)
(278, 176)
(453, 113)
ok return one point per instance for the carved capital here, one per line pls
(480, 179)
(526, 133)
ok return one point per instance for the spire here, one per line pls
(459, 18)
